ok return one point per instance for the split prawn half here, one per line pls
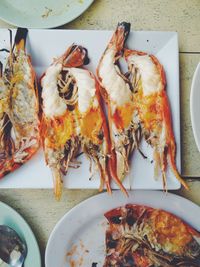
(117, 93)
(152, 109)
(73, 117)
(19, 122)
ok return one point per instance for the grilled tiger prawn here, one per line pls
(19, 123)
(117, 93)
(73, 117)
(152, 109)
(141, 236)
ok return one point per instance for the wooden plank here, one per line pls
(190, 154)
(182, 16)
(193, 193)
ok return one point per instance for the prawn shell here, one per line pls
(166, 115)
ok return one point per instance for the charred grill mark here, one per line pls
(21, 35)
(100, 135)
(64, 162)
(130, 218)
(71, 107)
(35, 85)
(92, 149)
(79, 154)
(129, 261)
(5, 135)
(4, 50)
(73, 47)
(95, 147)
(1, 69)
(126, 27)
(84, 52)
(69, 93)
(185, 263)
(5, 173)
(116, 219)
(10, 34)
(67, 147)
(111, 243)
(70, 151)
(2, 156)
(193, 248)
(64, 74)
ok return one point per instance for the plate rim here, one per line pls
(100, 196)
(21, 218)
(50, 24)
(192, 95)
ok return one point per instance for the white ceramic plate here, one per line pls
(41, 13)
(44, 45)
(195, 105)
(10, 217)
(79, 236)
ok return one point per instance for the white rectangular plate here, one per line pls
(43, 46)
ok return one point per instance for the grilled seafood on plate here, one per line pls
(117, 93)
(142, 236)
(73, 117)
(19, 123)
(152, 109)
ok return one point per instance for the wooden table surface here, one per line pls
(38, 207)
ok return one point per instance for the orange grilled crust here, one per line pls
(62, 129)
(138, 210)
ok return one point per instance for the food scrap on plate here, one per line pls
(142, 236)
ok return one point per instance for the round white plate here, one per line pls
(78, 238)
(10, 217)
(41, 13)
(195, 105)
